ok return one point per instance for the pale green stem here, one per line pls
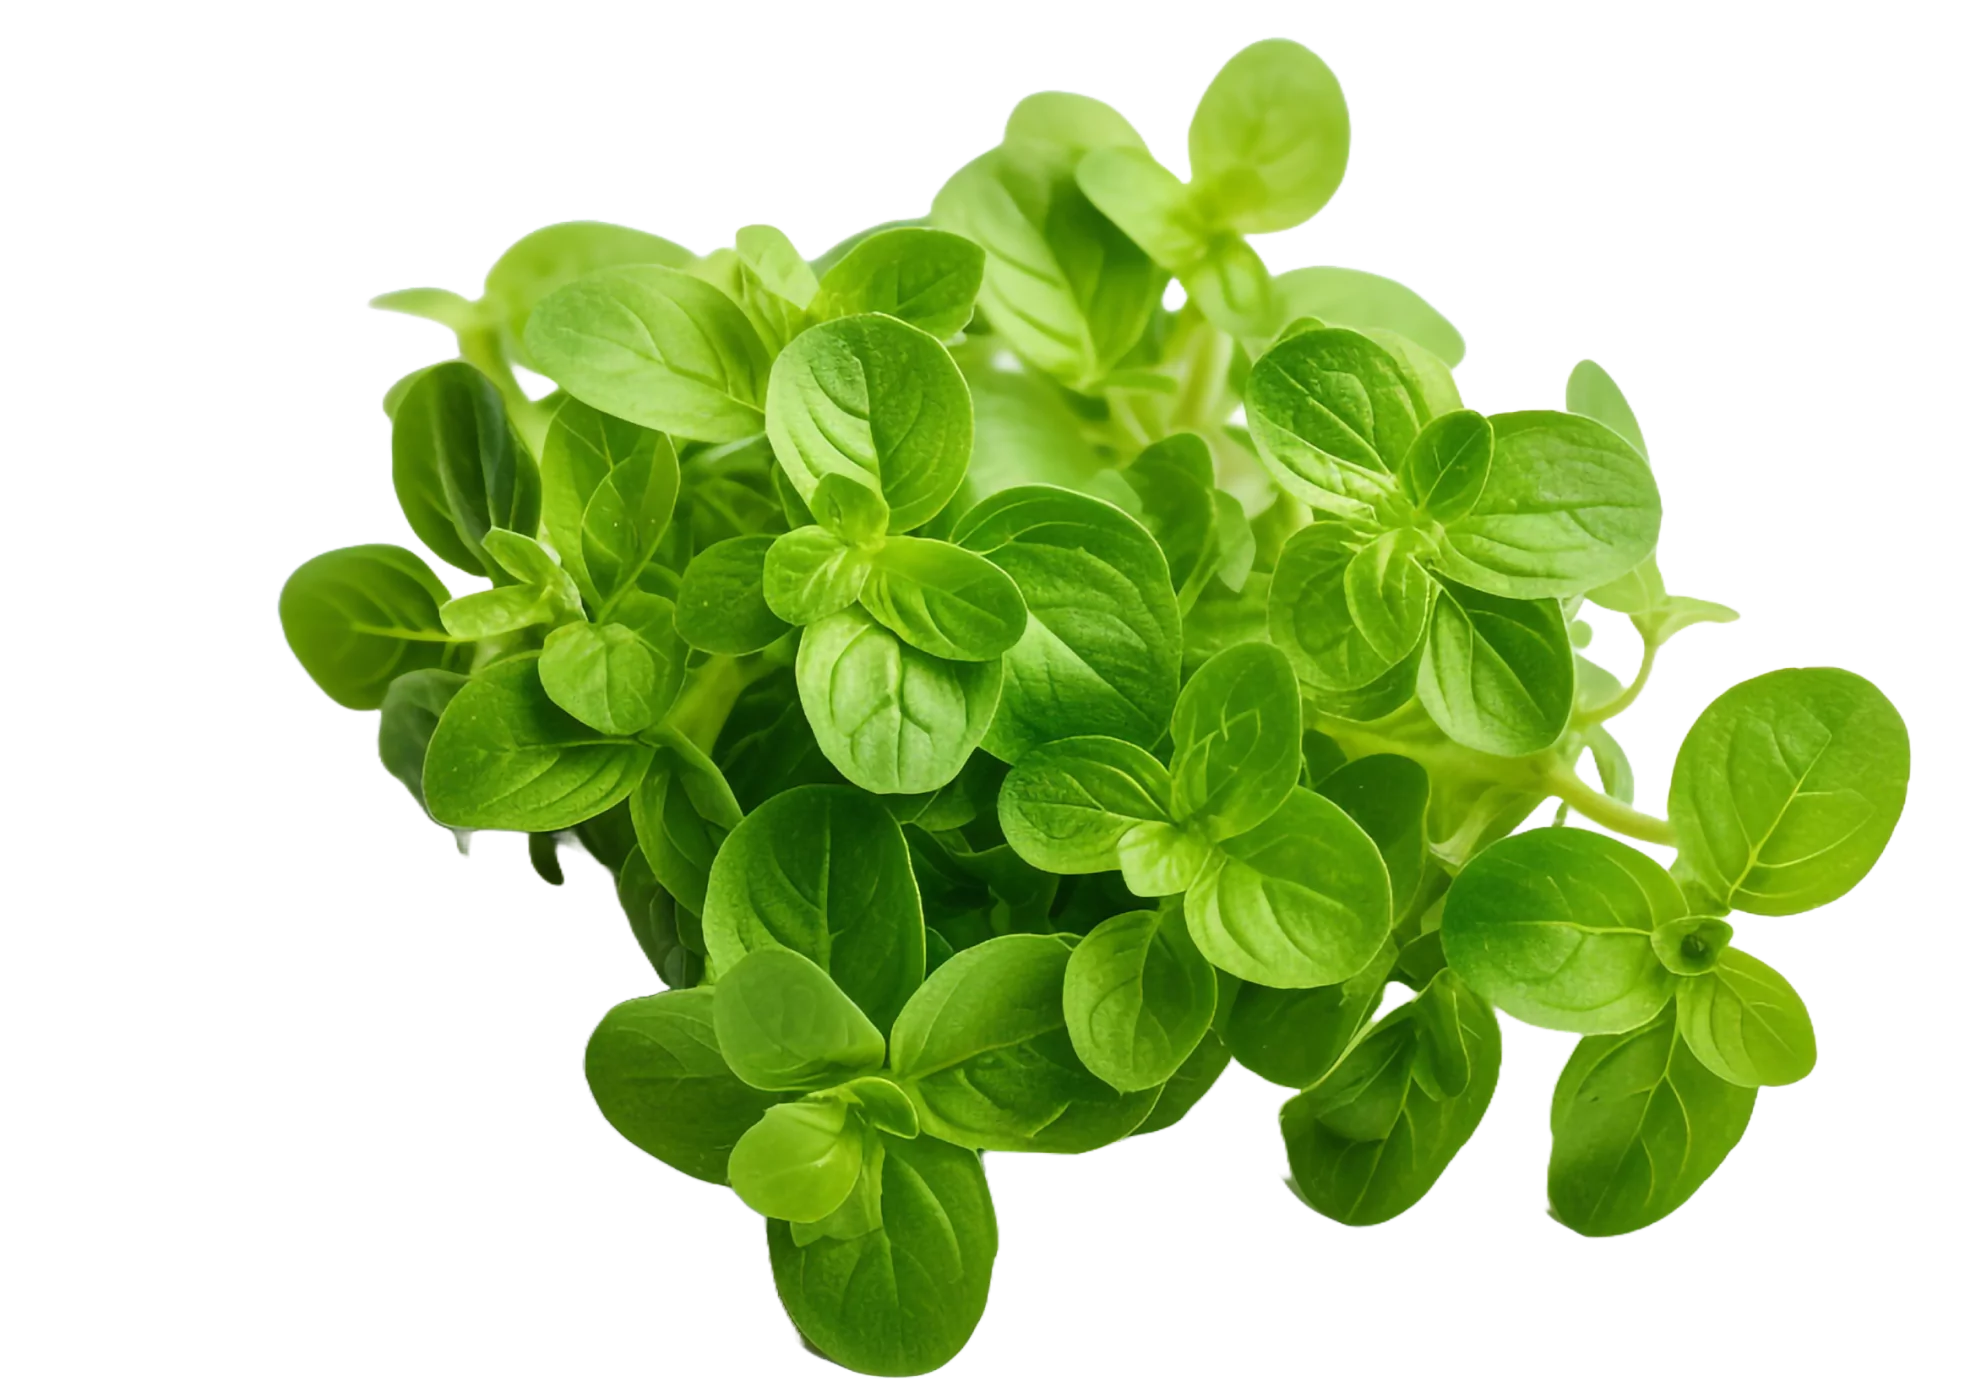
(703, 707)
(1604, 810)
(1627, 697)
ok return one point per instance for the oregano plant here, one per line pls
(1004, 699)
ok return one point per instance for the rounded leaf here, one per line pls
(1137, 998)
(1269, 140)
(1554, 927)
(878, 401)
(800, 1160)
(362, 616)
(1788, 787)
(783, 1025)
(1746, 1024)
(1302, 900)
(892, 718)
(823, 871)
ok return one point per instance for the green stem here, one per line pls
(705, 704)
(1625, 698)
(1604, 810)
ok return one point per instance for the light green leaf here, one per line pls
(362, 616)
(1592, 393)
(878, 401)
(1138, 996)
(1070, 805)
(810, 574)
(783, 1025)
(1302, 900)
(1066, 119)
(801, 1159)
(1332, 413)
(1788, 787)
(1639, 1124)
(1237, 741)
(983, 1051)
(609, 487)
(1568, 505)
(1387, 795)
(540, 262)
(1745, 1023)
(682, 810)
(411, 707)
(901, 1298)
(654, 1069)
(608, 677)
(1371, 1139)
(1100, 653)
(892, 718)
(722, 606)
(823, 871)
(1269, 139)
(1294, 1038)
(1497, 674)
(944, 600)
(925, 276)
(1554, 927)
(1360, 300)
(460, 468)
(1147, 202)
(504, 757)
(1445, 470)
(655, 346)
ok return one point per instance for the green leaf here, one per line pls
(1068, 290)
(655, 346)
(1359, 300)
(1311, 614)
(1146, 201)
(809, 574)
(984, 1052)
(824, 872)
(1237, 741)
(1189, 1083)
(922, 275)
(504, 757)
(669, 936)
(609, 677)
(944, 600)
(1332, 413)
(1568, 505)
(879, 402)
(1445, 471)
(460, 467)
(1178, 503)
(1070, 806)
(892, 718)
(903, 1297)
(1745, 1023)
(1138, 996)
(411, 707)
(1639, 1124)
(1387, 795)
(1592, 393)
(1388, 595)
(771, 257)
(783, 1025)
(445, 307)
(540, 262)
(362, 616)
(1497, 674)
(653, 1067)
(850, 511)
(1554, 925)
(1302, 900)
(1691, 946)
(1100, 654)
(723, 606)
(1025, 431)
(1787, 789)
(1294, 1038)
(1372, 1138)
(682, 810)
(801, 1159)
(1269, 139)
(610, 489)
(1066, 119)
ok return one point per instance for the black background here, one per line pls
(1758, 234)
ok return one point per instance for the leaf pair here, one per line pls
(1282, 887)
(1372, 1137)
(1567, 929)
